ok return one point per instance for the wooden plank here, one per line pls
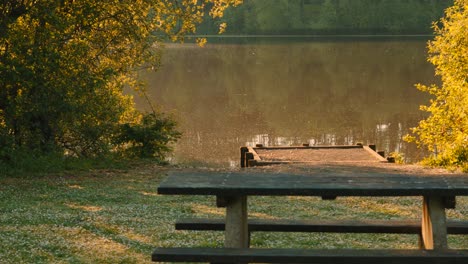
(317, 184)
(269, 163)
(457, 227)
(310, 147)
(252, 157)
(256, 156)
(434, 226)
(329, 226)
(374, 154)
(277, 162)
(323, 256)
(236, 233)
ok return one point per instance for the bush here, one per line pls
(149, 138)
(445, 131)
(64, 66)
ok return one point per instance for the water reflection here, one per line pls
(319, 91)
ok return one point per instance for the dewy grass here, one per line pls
(117, 217)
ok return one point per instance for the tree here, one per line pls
(445, 131)
(64, 64)
(328, 16)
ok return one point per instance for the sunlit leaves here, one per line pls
(445, 131)
(201, 42)
(64, 64)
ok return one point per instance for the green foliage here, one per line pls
(64, 64)
(148, 138)
(332, 17)
(445, 131)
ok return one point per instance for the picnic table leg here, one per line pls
(434, 223)
(236, 234)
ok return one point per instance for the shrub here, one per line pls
(150, 138)
(445, 131)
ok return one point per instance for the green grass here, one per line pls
(115, 216)
(32, 163)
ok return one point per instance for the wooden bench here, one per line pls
(332, 226)
(322, 256)
(232, 189)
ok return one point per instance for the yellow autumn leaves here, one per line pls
(445, 131)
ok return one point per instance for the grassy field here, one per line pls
(117, 217)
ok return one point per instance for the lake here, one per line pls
(287, 91)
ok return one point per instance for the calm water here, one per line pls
(241, 92)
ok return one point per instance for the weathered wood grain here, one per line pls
(323, 256)
(318, 184)
(331, 226)
(434, 226)
(236, 232)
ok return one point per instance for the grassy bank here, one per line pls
(117, 217)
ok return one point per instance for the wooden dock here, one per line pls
(305, 154)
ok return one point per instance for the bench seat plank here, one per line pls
(333, 226)
(322, 256)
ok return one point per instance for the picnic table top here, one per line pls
(314, 183)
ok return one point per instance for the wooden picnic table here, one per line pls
(233, 188)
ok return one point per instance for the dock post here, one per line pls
(248, 156)
(243, 150)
